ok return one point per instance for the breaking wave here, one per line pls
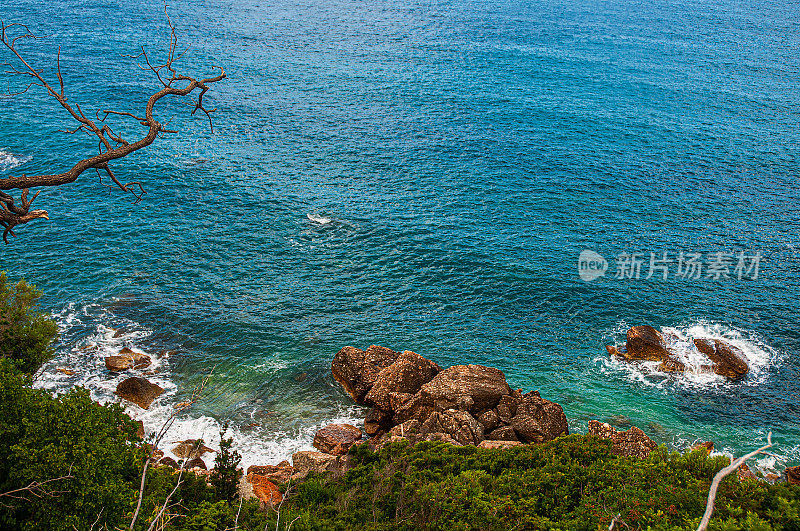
(9, 160)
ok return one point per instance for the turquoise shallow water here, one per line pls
(465, 153)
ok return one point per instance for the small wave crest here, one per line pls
(320, 220)
(760, 357)
(9, 160)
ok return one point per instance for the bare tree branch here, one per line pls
(712, 493)
(37, 489)
(111, 146)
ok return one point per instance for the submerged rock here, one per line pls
(631, 443)
(139, 391)
(336, 439)
(728, 360)
(190, 449)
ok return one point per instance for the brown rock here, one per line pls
(398, 400)
(356, 370)
(793, 475)
(644, 343)
(336, 439)
(613, 350)
(458, 425)
(139, 391)
(119, 332)
(744, 472)
(469, 387)
(631, 443)
(507, 408)
(539, 420)
(168, 461)
(139, 429)
(670, 364)
(728, 360)
(441, 437)
(489, 420)
(499, 445)
(68, 372)
(127, 359)
(307, 461)
(377, 420)
(504, 433)
(190, 449)
(195, 463)
(418, 407)
(265, 490)
(406, 374)
(281, 473)
(408, 429)
(708, 446)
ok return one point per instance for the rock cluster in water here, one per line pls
(647, 343)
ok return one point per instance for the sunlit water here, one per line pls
(424, 175)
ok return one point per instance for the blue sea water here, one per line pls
(424, 176)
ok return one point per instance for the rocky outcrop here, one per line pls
(793, 475)
(631, 443)
(196, 463)
(307, 461)
(280, 473)
(728, 360)
(412, 398)
(744, 473)
(357, 370)
(265, 490)
(127, 359)
(707, 446)
(646, 343)
(501, 445)
(139, 391)
(336, 439)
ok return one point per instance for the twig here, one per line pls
(712, 493)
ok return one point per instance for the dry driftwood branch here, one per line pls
(197, 393)
(712, 493)
(111, 146)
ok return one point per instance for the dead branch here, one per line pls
(111, 146)
(37, 489)
(712, 493)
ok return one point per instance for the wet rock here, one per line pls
(499, 445)
(631, 443)
(539, 420)
(469, 387)
(127, 359)
(458, 425)
(168, 461)
(729, 361)
(336, 439)
(793, 475)
(280, 473)
(190, 449)
(504, 433)
(356, 370)
(644, 343)
(265, 490)
(407, 374)
(195, 463)
(68, 372)
(119, 333)
(670, 364)
(139, 391)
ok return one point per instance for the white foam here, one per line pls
(9, 160)
(322, 220)
(760, 357)
(86, 358)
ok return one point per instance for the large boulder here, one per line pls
(458, 425)
(631, 443)
(356, 370)
(472, 388)
(407, 374)
(336, 439)
(644, 343)
(309, 461)
(127, 359)
(139, 391)
(729, 361)
(538, 420)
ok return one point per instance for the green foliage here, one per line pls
(226, 473)
(71, 437)
(573, 483)
(26, 334)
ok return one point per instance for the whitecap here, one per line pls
(321, 220)
(9, 160)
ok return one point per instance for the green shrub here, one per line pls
(26, 334)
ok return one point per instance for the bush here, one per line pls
(26, 334)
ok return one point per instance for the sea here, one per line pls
(506, 183)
